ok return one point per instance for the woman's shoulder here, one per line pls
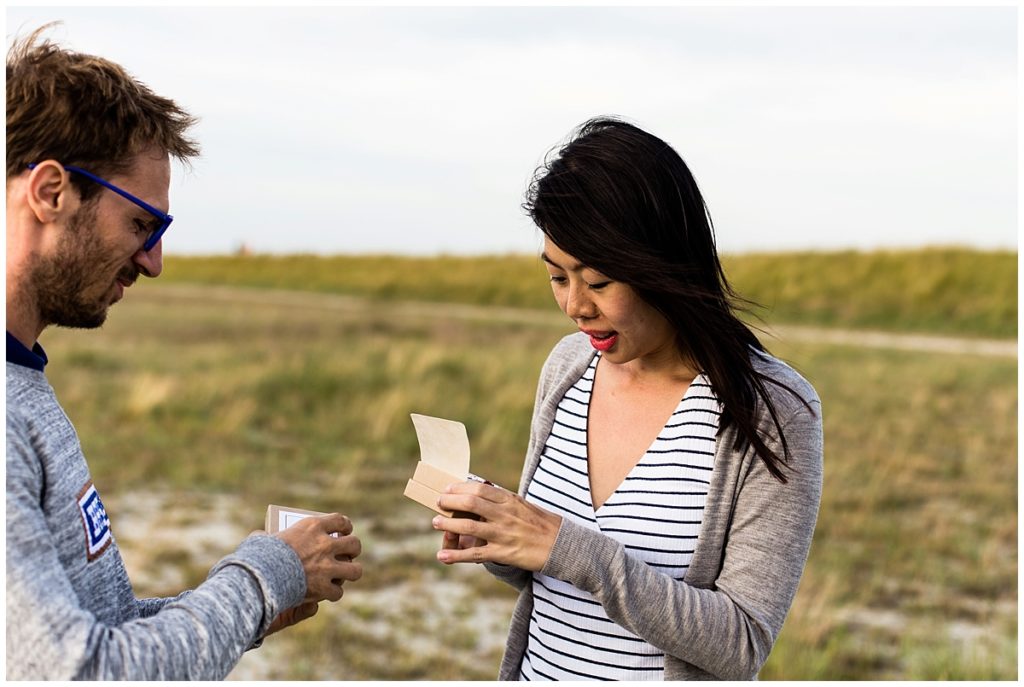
(787, 382)
(568, 354)
(572, 347)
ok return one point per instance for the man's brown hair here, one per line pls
(84, 110)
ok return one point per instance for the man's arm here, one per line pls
(151, 606)
(200, 635)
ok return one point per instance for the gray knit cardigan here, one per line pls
(721, 621)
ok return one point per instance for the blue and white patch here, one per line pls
(97, 524)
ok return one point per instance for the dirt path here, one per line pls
(338, 302)
(908, 342)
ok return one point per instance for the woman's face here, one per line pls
(620, 324)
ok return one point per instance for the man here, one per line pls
(88, 173)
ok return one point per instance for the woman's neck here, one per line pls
(665, 367)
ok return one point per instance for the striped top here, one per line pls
(656, 513)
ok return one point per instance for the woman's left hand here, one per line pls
(516, 532)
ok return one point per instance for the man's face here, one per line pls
(101, 253)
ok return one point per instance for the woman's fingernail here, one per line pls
(436, 522)
(443, 556)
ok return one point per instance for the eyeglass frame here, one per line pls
(165, 219)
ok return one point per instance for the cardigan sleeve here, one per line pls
(729, 629)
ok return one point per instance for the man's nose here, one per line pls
(151, 262)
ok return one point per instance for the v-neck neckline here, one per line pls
(697, 381)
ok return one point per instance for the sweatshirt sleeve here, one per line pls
(199, 635)
(151, 606)
(728, 630)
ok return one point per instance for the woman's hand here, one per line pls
(460, 541)
(510, 531)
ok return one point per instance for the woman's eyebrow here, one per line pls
(572, 268)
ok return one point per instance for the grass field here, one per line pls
(196, 412)
(931, 290)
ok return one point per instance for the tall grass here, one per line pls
(931, 290)
(912, 572)
(940, 290)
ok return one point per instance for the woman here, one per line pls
(674, 468)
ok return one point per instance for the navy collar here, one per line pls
(19, 355)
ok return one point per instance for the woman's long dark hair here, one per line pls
(623, 202)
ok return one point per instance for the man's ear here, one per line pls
(50, 194)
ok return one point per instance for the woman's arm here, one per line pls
(727, 631)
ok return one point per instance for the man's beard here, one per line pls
(62, 283)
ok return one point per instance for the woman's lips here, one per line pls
(602, 341)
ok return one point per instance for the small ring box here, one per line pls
(427, 485)
(281, 518)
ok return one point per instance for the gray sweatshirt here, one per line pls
(71, 611)
(721, 621)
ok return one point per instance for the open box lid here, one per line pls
(444, 444)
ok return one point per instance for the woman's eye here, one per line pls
(599, 285)
(555, 279)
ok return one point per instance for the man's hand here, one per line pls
(326, 560)
(293, 616)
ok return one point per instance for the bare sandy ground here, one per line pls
(167, 537)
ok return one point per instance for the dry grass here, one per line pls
(932, 290)
(912, 573)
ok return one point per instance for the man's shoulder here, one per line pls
(38, 430)
(28, 393)
(20, 393)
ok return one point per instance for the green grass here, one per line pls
(918, 526)
(913, 570)
(512, 280)
(932, 290)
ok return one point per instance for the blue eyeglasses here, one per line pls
(165, 219)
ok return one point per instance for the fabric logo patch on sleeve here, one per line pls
(95, 520)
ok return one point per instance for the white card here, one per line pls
(280, 518)
(286, 519)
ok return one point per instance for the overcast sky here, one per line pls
(416, 130)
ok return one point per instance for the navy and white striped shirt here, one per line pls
(656, 513)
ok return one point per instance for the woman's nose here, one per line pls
(578, 304)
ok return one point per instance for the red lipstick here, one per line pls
(602, 341)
